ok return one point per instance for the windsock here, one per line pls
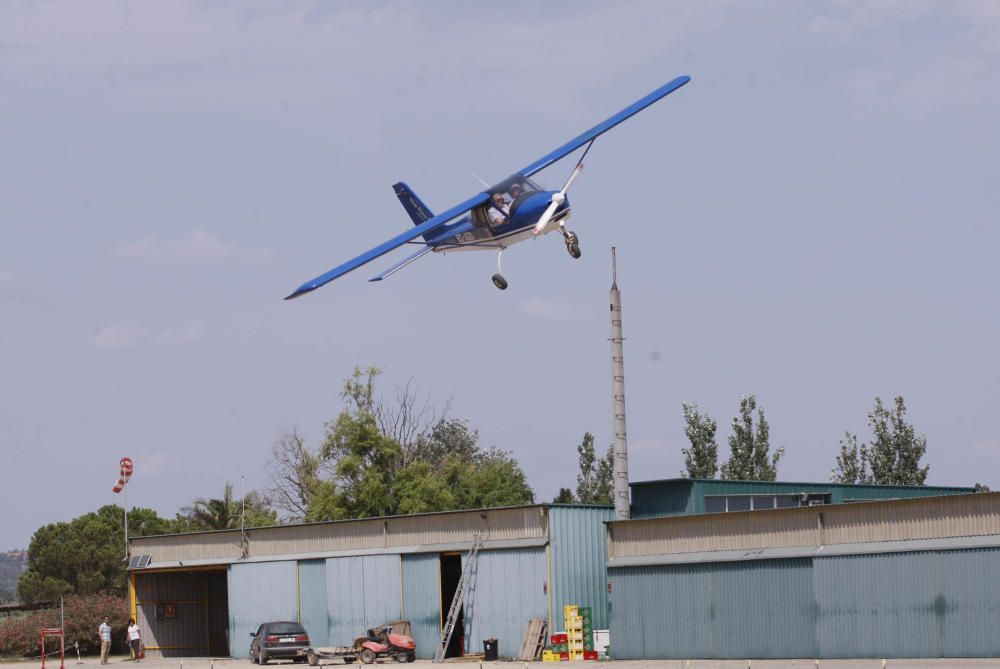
(126, 474)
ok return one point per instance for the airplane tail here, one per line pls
(413, 205)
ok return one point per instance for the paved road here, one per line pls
(202, 663)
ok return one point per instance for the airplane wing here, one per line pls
(428, 226)
(602, 127)
(402, 263)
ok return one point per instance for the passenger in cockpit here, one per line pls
(497, 212)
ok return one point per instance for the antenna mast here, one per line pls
(618, 390)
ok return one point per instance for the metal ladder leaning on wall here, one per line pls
(456, 603)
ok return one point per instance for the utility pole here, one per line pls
(618, 391)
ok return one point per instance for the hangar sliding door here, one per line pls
(508, 591)
(361, 592)
(312, 601)
(422, 600)
(754, 608)
(259, 592)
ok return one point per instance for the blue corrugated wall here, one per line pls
(509, 590)
(724, 610)
(312, 601)
(918, 604)
(258, 593)
(362, 592)
(577, 557)
(422, 600)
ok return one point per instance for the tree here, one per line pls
(295, 475)
(84, 555)
(982, 487)
(364, 471)
(594, 483)
(226, 513)
(701, 461)
(896, 449)
(749, 446)
(565, 496)
(853, 463)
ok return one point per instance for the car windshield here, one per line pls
(285, 628)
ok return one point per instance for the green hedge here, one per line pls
(83, 614)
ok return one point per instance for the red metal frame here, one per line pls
(52, 631)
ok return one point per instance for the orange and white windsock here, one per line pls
(126, 467)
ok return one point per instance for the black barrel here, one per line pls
(491, 652)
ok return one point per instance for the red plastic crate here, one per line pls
(590, 654)
(559, 638)
(564, 657)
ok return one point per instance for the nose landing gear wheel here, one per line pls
(499, 282)
(573, 244)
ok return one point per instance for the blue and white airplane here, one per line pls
(513, 210)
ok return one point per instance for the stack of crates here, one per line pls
(579, 632)
(577, 642)
(587, 616)
(559, 650)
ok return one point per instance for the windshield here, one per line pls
(285, 628)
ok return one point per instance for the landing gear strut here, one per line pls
(572, 243)
(498, 279)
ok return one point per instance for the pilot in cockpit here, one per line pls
(516, 191)
(497, 211)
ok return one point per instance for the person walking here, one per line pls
(104, 630)
(133, 639)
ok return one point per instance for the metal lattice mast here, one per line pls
(618, 389)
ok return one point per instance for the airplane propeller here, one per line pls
(559, 197)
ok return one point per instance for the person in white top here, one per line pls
(497, 212)
(104, 630)
(133, 639)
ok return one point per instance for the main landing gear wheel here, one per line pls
(573, 244)
(498, 279)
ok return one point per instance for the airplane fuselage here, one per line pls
(470, 234)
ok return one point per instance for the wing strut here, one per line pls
(428, 226)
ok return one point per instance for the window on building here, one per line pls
(727, 503)
(715, 504)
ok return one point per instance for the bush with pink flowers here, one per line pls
(83, 615)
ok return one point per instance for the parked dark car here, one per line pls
(279, 640)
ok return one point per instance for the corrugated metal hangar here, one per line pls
(915, 577)
(201, 594)
(709, 569)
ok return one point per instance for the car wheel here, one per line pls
(261, 657)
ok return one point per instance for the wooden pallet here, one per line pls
(534, 640)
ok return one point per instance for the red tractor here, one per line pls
(381, 642)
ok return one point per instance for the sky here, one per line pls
(811, 220)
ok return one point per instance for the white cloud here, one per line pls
(188, 335)
(128, 334)
(117, 336)
(987, 448)
(546, 310)
(199, 247)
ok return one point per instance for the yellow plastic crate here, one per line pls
(571, 611)
(576, 655)
(549, 656)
